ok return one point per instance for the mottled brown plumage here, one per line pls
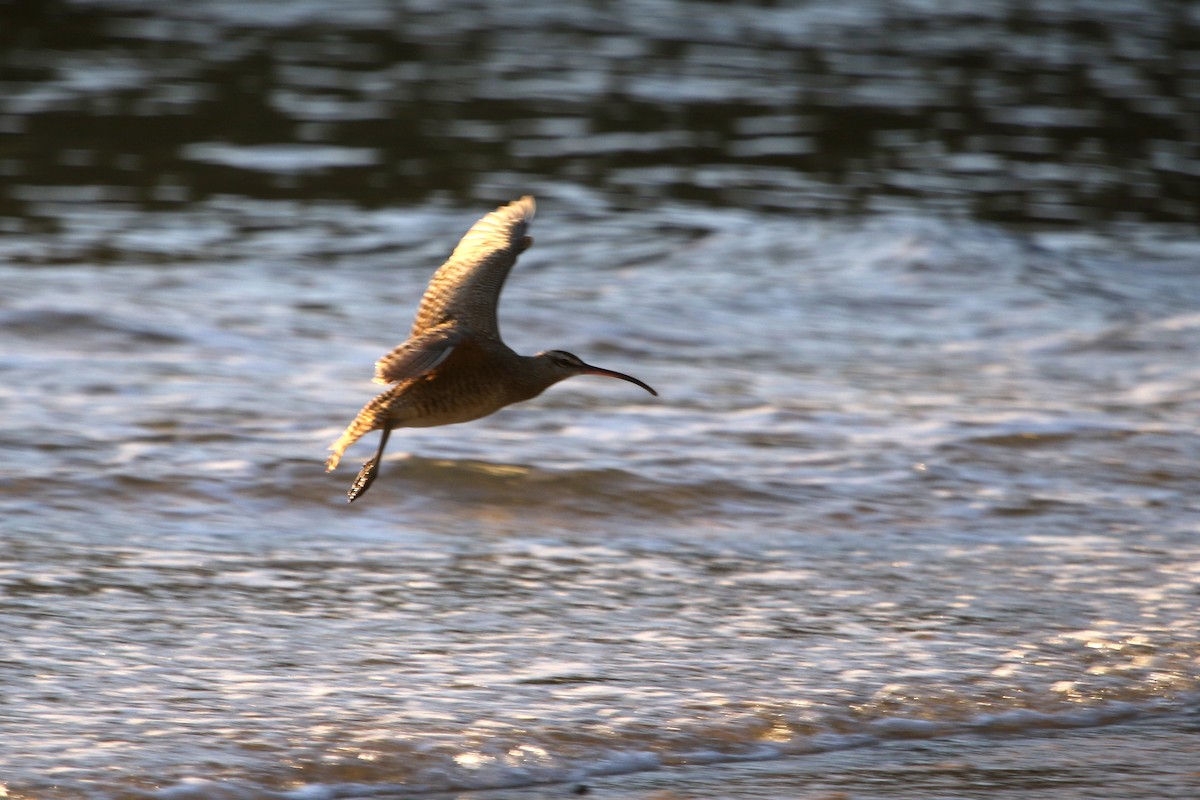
(454, 366)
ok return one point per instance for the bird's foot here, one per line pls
(366, 476)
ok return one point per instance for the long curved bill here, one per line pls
(609, 373)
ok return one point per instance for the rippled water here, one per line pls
(914, 515)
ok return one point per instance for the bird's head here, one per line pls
(560, 365)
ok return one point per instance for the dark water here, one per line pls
(1017, 112)
(914, 516)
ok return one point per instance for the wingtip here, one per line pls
(527, 204)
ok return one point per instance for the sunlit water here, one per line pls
(914, 516)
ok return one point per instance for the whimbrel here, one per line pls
(454, 366)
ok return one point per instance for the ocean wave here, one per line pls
(479, 484)
(86, 328)
(363, 774)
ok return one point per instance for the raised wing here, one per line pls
(467, 287)
(419, 354)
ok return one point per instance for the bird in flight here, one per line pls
(454, 367)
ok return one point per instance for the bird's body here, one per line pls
(454, 367)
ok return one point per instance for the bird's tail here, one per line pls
(372, 416)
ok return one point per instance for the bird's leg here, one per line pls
(370, 470)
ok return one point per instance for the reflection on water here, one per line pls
(906, 480)
(1055, 112)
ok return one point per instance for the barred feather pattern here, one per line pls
(467, 287)
(373, 416)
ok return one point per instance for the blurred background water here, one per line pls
(915, 515)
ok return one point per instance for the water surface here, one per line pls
(914, 515)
